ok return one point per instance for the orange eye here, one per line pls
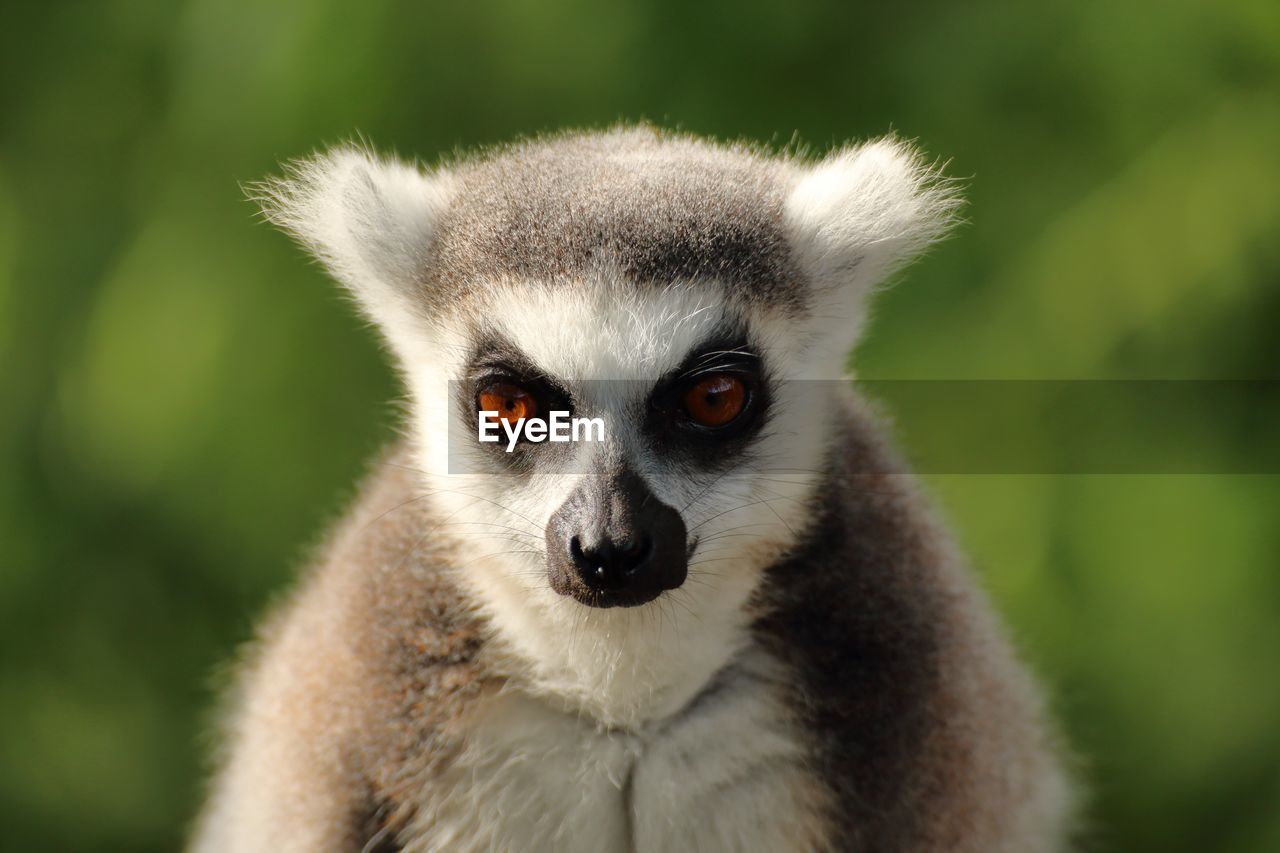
(511, 402)
(715, 400)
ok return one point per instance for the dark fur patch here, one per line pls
(921, 728)
(848, 612)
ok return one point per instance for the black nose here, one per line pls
(609, 565)
(613, 543)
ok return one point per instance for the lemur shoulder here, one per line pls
(731, 624)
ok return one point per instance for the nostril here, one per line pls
(627, 549)
(633, 554)
(610, 561)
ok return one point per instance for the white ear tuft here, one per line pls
(865, 211)
(370, 220)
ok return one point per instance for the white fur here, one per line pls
(857, 217)
(724, 774)
(369, 219)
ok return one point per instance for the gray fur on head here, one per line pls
(659, 206)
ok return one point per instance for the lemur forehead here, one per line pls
(658, 207)
(588, 333)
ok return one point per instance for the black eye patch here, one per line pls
(707, 410)
(703, 414)
(496, 367)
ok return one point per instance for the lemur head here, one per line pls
(680, 292)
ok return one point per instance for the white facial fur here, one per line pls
(851, 220)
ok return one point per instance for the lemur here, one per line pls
(730, 624)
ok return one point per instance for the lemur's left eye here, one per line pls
(715, 400)
(512, 402)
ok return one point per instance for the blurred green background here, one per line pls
(185, 402)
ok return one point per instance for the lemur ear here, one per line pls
(370, 220)
(861, 214)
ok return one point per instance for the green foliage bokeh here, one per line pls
(185, 402)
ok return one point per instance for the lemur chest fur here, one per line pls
(723, 774)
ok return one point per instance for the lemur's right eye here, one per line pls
(512, 402)
(715, 401)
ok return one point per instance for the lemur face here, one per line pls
(697, 299)
(702, 469)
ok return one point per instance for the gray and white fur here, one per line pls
(798, 660)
